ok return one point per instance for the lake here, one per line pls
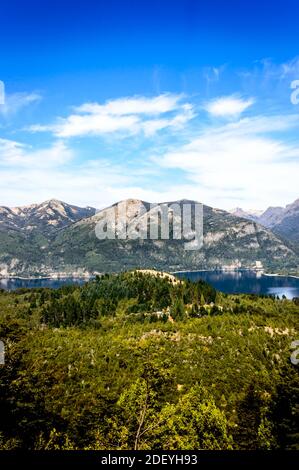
(248, 282)
(16, 283)
(231, 282)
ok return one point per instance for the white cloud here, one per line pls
(14, 102)
(126, 115)
(93, 124)
(95, 183)
(31, 175)
(228, 106)
(136, 105)
(240, 161)
(19, 155)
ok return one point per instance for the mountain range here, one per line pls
(55, 238)
(45, 218)
(283, 221)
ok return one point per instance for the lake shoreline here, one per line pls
(242, 281)
(236, 271)
(51, 278)
(280, 275)
(57, 277)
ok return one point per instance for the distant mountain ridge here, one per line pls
(248, 214)
(58, 238)
(283, 221)
(45, 217)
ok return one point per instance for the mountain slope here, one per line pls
(283, 221)
(287, 224)
(25, 233)
(249, 214)
(226, 239)
(271, 216)
(45, 239)
(45, 217)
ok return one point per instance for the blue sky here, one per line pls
(155, 100)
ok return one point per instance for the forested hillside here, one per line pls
(144, 361)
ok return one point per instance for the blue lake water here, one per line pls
(247, 282)
(12, 284)
(231, 282)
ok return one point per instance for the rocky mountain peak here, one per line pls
(283, 221)
(44, 217)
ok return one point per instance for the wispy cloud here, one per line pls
(228, 106)
(282, 71)
(241, 159)
(126, 115)
(30, 174)
(136, 105)
(14, 102)
(17, 155)
(38, 175)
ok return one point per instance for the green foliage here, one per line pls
(140, 361)
(177, 310)
(131, 292)
(194, 422)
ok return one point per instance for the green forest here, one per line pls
(142, 360)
